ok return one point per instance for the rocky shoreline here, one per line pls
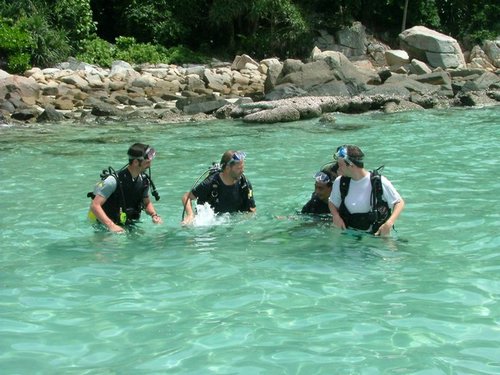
(430, 71)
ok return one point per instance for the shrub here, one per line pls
(97, 51)
(183, 55)
(15, 44)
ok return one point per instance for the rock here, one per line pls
(437, 49)
(77, 81)
(139, 102)
(328, 118)
(25, 114)
(475, 99)
(280, 114)
(486, 81)
(3, 74)
(332, 88)
(24, 87)
(274, 68)
(351, 41)
(122, 71)
(64, 103)
(396, 58)
(100, 108)
(7, 106)
(285, 90)
(214, 81)
(402, 106)
(244, 62)
(419, 67)
(492, 50)
(50, 114)
(425, 101)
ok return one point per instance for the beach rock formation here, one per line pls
(429, 71)
(439, 50)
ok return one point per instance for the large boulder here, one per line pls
(27, 89)
(492, 50)
(437, 49)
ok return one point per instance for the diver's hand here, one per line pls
(385, 229)
(156, 219)
(188, 220)
(338, 222)
(115, 228)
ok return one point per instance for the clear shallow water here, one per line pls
(262, 294)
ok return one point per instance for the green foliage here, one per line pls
(75, 16)
(182, 55)
(153, 21)
(97, 51)
(51, 30)
(50, 45)
(139, 53)
(19, 63)
(15, 44)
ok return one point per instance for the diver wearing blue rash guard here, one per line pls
(119, 199)
(226, 189)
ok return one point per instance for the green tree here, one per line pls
(260, 27)
(76, 17)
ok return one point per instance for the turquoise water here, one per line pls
(266, 294)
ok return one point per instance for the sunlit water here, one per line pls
(273, 293)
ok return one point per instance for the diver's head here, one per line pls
(323, 185)
(233, 163)
(348, 156)
(144, 154)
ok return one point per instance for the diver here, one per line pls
(118, 199)
(361, 199)
(226, 189)
(318, 204)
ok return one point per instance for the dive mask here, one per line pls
(237, 157)
(150, 153)
(322, 177)
(342, 153)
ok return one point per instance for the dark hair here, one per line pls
(226, 158)
(355, 155)
(136, 151)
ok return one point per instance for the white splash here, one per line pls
(206, 217)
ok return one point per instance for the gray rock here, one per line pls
(437, 49)
(24, 114)
(492, 50)
(50, 114)
(283, 91)
(285, 113)
(402, 106)
(100, 108)
(486, 81)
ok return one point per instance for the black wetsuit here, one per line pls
(315, 206)
(225, 198)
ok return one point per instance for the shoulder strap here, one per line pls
(344, 186)
(377, 189)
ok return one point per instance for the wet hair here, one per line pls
(226, 158)
(356, 156)
(136, 151)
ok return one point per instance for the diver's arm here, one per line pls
(385, 228)
(96, 207)
(187, 198)
(151, 211)
(337, 220)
